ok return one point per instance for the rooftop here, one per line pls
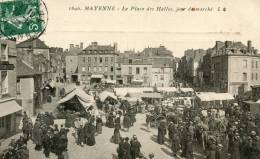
(32, 43)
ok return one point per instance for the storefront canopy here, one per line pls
(131, 90)
(212, 96)
(186, 89)
(167, 89)
(137, 81)
(105, 94)
(97, 76)
(9, 107)
(108, 81)
(151, 95)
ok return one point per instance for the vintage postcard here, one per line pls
(129, 79)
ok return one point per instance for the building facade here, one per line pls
(98, 60)
(71, 62)
(9, 108)
(235, 67)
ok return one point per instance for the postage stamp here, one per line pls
(22, 18)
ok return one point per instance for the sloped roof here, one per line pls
(159, 51)
(32, 43)
(100, 47)
(24, 69)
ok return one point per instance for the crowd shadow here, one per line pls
(154, 138)
(145, 130)
(169, 153)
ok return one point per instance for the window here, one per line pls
(252, 77)
(162, 70)
(253, 62)
(89, 59)
(106, 68)
(112, 69)
(100, 59)
(88, 69)
(137, 70)
(106, 59)
(112, 59)
(4, 82)
(256, 76)
(256, 64)
(244, 76)
(95, 59)
(83, 59)
(112, 77)
(83, 69)
(2, 122)
(18, 86)
(4, 52)
(130, 70)
(245, 63)
(95, 69)
(162, 77)
(100, 69)
(145, 70)
(130, 61)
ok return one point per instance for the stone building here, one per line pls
(9, 108)
(71, 62)
(96, 62)
(235, 67)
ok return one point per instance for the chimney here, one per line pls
(94, 43)
(81, 45)
(71, 46)
(249, 45)
(115, 46)
(218, 44)
(227, 43)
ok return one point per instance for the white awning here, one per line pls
(186, 89)
(97, 76)
(138, 80)
(9, 107)
(167, 89)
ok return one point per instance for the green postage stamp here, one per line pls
(21, 17)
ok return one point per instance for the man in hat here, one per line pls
(235, 149)
(126, 149)
(135, 147)
(161, 133)
(219, 152)
(211, 148)
(81, 135)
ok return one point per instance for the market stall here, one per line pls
(76, 101)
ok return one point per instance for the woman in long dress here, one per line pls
(99, 124)
(116, 137)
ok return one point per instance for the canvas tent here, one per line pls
(105, 94)
(77, 100)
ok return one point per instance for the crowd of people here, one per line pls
(234, 135)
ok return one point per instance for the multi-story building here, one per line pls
(57, 64)
(96, 62)
(40, 51)
(194, 60)
(136, 69)
(151, 67)
(71, 62)
(235, 67)
(8, 104)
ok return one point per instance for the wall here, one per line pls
(26, 94)
(142, 75)
(71, 65)
(84, 63)
(167, 75)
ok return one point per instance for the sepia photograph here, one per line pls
(129, 79)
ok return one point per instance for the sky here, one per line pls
(177, 31)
